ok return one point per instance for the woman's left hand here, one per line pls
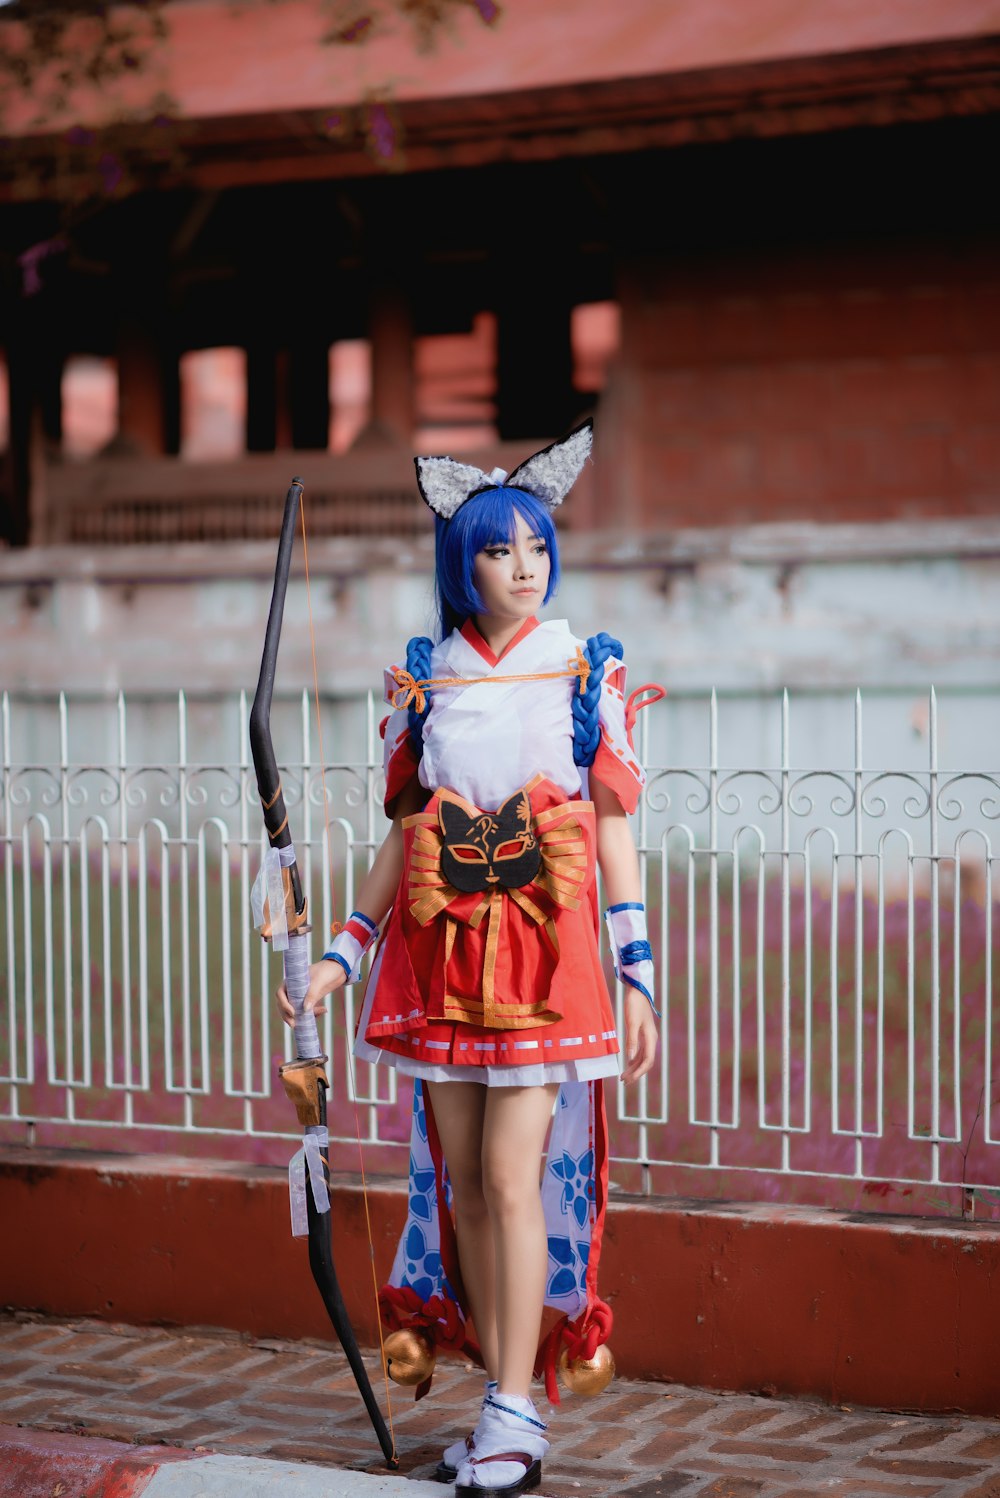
(642, 1033)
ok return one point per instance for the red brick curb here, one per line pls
(37, 1464)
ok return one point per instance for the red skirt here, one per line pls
(497, 976)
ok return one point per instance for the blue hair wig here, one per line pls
(484, 520)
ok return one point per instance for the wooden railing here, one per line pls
(120, 501)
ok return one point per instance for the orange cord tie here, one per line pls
(409, 689)
(335, 927)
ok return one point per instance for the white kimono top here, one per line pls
(486, 740)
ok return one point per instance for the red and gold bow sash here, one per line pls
(564, 871)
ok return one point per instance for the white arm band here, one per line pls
(630, 947)
(351, 943)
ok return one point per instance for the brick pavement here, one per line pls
(218, 1391)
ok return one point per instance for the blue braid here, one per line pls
(418, 663)
(586, 728)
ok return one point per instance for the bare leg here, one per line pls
(514, 1129)
(459, 1111)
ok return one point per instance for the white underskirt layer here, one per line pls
(585, 1070)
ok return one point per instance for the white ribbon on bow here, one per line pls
(267, 886)
(308, 1158)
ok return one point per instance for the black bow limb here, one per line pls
(285, 922)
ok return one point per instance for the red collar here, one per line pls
(470, 634)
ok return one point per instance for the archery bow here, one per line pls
(284, 922)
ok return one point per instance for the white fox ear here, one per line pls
(551, 473)
(445, 483)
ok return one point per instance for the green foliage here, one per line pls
(50, 49)
(42, 61)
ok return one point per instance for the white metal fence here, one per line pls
(824, 938)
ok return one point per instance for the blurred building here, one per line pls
(761, 241)
(758, 242)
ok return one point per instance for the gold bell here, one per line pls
(409, 1356)
(587, 1375)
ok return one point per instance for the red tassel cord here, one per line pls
(580, 1337)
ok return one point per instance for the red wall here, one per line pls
(842, 384)
(897, 1312)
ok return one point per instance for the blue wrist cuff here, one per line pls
(336, 957)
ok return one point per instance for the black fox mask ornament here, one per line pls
(491, 849)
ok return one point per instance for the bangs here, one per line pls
(491, 517)
(486, 519)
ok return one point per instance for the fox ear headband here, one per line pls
(549, 475)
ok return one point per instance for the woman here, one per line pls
(487, 984)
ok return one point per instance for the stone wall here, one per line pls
(892, 609)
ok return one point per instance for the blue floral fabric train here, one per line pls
(424, 1290)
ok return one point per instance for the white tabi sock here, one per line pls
(508, 1423)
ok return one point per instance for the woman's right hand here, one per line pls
(325, 977)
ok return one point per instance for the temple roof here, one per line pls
(222, 59)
